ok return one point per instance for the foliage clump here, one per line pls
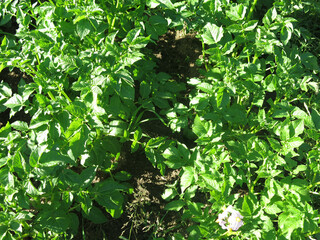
(251, 115)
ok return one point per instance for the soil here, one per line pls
(177, 52)
(144, 216)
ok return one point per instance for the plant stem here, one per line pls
(51, 96)
(204, 57)
(114, 17)
(252, 9)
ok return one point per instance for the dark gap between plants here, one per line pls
(12, 78)
(176, 53)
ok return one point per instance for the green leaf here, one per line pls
(15, 103)
(286, 33)
(300, 187)
(54, 219)
(117, 128)
(186, 178)
(169, 194)
(77, 108)
(73, 128)
(77, 142)
(282, 110)
(156, 26)
(315, 118)
(237, 12)
(274, 144)
(83, 28)
(298, 126)
(290, 221)
(201, 127)
(145, 89)
(292, 143)
(4, 131)
(113, 202)
(309, 61)
(127, 91)
(196, 208)
(223, 98)
(53, 158)
(70, 178)
(4, 176)
(36, 154)
(272, 209)
(209, 181)
(96, 216)
(212, 34)
(300, 114)
(284, 130)
(3, 161)
(205, 87)
(31, 189)
(132, 35)
(63, 117)
(176, 157)
(3, 232)
(247, 205)
(122, 176)
(86, 177)
(108, 186)
(74, 223)
(42, 100)
(175, 205)
(5, 90)
(299, 168)
(111, 144)
(167, 3)
(250, 26)
(19, 125)
(236, 114)
(270, 16)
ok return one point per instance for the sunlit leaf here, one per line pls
(212, 34)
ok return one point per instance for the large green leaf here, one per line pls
(236, 114)
(212, 33)
(15, 103)
(315, 118)
(175, 205)
(310, 61)
(55, 218)
(83, 28)
(156, 26)
(186, 178)
(96, 216)
(167, 3)
(20, 125)
(176, 157)
(201, 127)
(237, 12)
(290, 221)
(53, 158)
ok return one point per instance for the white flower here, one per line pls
(231, 217)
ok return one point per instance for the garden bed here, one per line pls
(159, 119)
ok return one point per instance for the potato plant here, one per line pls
(252, 115)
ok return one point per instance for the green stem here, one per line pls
(252, 9)
(63, 93)
(51, 96)
(114, 17)
(253, 184)
(204, 57)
